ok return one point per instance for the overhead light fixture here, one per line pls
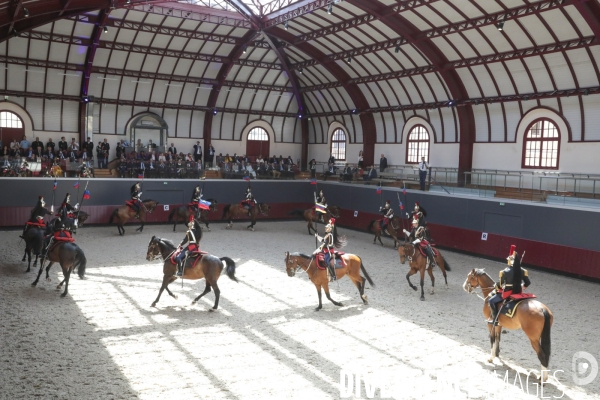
(245, 49)
(476, 102)
(215, 112)
(25, 12)
(188, 14)
(300, 116)
(300, 70)
(128, 2)
(170, 11)
(105, 29)
(150, 8)
(501, 23)
(15, 33)
(285, 25)
(349, 60)
(586, 92)
(397, 49)
(451, 103)
(330, 9)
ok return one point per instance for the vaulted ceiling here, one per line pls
(351, 59)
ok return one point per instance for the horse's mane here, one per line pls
(149, 200)
(166, 241)
(480, 271)
(300, 255)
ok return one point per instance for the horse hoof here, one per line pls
(208, 229)
(422, 298)
(48, 280)
(23, 260)
(175, 297)
(153, 305)
(490, 360)
(414, 288)
(339, 305)
(317, 309)
(431, 292)
(194, 302)
(212, 309)
(63, 295)
(34, 284)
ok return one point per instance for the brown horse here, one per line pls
(295, 261)
(34, 242)
(310, 216)
(532, 316)
(70, 256)
(233, 210)
(209, 268)
(183, 213)
(417, 262)
(123, 213)
(394, 229)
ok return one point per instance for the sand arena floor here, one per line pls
(104, 341)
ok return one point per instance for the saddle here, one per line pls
(423, 246)
(339, 261)
(512, 301)
(41, 225)
(191, 260)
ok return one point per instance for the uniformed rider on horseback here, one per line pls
(418, 235)
(189, 244)
(320, 200)
(329, 243)
(135, 199)
(388, 214)
(66, 205)
(196, 197)
(249, 202)
(419, 213)
(36, 216)
(61, 230)
(512, 279)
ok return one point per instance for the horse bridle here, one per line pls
(146, 208)
(332, 214)
(471, 289)
(159, 255)
(261, 210)
(410, 258)
(299, 267)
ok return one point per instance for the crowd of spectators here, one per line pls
(257, 167)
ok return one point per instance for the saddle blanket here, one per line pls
(513, 301)
(423, 247)
(339, 261)
(192, 258)
(42, 225)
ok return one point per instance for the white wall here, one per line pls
(322, 151)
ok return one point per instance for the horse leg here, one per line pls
(360, 284)
(162, 287)
(28, 260)
(39, 272)
(67, 274)
(422, 283)
(326, 289)
(48, 272)
(217, 295)
(24, 255)
(173, 295)
(379, 237)
(430, 272)
(206, 290)
(408, 275)
(319, 293)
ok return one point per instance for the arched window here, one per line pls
(258, 134)
(10, 120)
(338, 145)
(417, 145)
(541, 145)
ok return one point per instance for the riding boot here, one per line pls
(179, 269)
(494, 314)
(22, 235)
(332, 276)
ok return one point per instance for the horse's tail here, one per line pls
(80, 262)
(226, 210)
(113, 215)
(172, 214)
(229, 268)
(362, 268)
(544, 354)
(299, 213)
(371, 225)
(446, 264)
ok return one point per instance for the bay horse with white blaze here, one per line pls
(418, 262)
(183, 213)
(233, 210)
(122, 214)
(531, 315)
(352, 267)
(310, 216)
(394, 229)
(208, 267)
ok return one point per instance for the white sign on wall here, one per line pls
(166, 207)
(484, 236)
(356, 213)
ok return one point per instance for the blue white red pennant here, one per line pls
(55, 184)
(246, 178)
(378, 189)
(76, 185)
(204, 205)
(86, 194)
(313, 181)
(320, 208)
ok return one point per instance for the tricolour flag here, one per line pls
(55, 184)
(404, 190)
(86, 194)
(401, 206)
(140, 176)
(378, 189)
(246, 178)
(76, 185)
(320, 208)
(313, 181)
(204, 205)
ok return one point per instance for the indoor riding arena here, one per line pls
(299, 199)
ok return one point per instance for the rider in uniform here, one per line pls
(419, 214)
(329, 243)
(249, 202)
(416, 236)
(61, 230)
(189, 244)
(509, 283)
(36, 216)
(320, 199)
(196, 197)
(388, 214)
(66, 205)
(135, 198)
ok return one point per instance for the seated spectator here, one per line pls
(372, 174)
(275, 171)
(346, 175)
(162, 158)
(5, 151)
(260, 160)
(329, 172)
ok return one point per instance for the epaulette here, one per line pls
(525, 272)
(501, 273)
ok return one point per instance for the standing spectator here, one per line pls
(62, 144)
(99, 154)
(37, 146)
(25, 143)
(382, 163)
(423, 167)
(88, 148)
(360, 159)
(105, 152)
(312, 165)
(173, 149)
(198, 152)
(151, 145)
(74, 149)
(331, 160)
(120, 149)
(211, 154)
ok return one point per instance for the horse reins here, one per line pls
(472, 291)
